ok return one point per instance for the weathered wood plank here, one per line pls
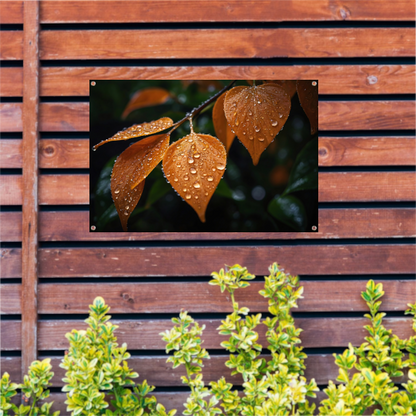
(11, 117)
(53, 189)
(367, 151)
(11, 299)
(367, 186)
(210, 11)
(333, 187)
(339, 79)
(226, 43)
(30, 183)
(144, 334)
(64, 117)
(53, 153)
(11, 12)
(11, 153)
(11, 79)
(11, 48)
(366, 115)
(333, 115)
(11, 262)
(11, 336)
(321, 296)
(201, 261)
(333, 223)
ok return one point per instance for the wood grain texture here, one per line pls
(11, 12)
(226, 43)
(333, 79)
(199, 297)
(144, 334)
(11, 79)
(53, 189)
(333, 187)
(53, 153)
(11, 262)
(30, 183)
(201, 261)
(64, 11)
(333, 115)
(11, 117)
(11, 299)
(11, 336)
(333, 223)
(367, 186)
(367, 151)
(11, 48)
(11, 153)
(367, 115)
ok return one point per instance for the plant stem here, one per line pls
(189, 378)
(197, 110)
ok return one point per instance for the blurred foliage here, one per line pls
(248, 198)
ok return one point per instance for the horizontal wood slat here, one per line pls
(11, 299)
(366, 186)
(157, 372)
(11, 117)
(11, 47)
(210, 11)
(53, 189)
(11, 79)
(333, 223)
(144, 334)
(367, 151)
(333, 151)
(339, 79)
(366, 115)
(201, 261)
(226, 43)
(333, 187)
(333, 115)
(53, 153)
(11, 335)
(199, 297)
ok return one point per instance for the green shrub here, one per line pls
(98, 380)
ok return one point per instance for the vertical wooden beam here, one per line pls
(30, 181)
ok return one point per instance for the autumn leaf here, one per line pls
(194, 165)
(139, 130)
(146, 98)
(257, 114)
(130, 170)
(308, 98)
(222, 129)
(288, 86)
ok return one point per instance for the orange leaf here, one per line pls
(130, 170)
(222, 129)
(308, 97)
(288, 86)
(139, 130)
(257, 114)
(146, 98)
(194, 165)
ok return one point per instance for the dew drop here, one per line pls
(190, 160)
(274, 123)
(117, 191)
(176, 179)
(127, 207)
(188, 196)
(149, 159)
(280, 115)
(236, 121)
(126, 214)
(213, 169)
(210, 178)
(220, 167)
(258, 102)
(257, 129)
(196, 196)
(206, 193)
(250, 113)
(197, 155)
(197, 185)
(250, 137)
(260, 139)
(184, 189)
(193, 170)
(186, 178)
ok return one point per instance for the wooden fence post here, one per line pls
(30, 182)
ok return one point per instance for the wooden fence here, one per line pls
(362, 53)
